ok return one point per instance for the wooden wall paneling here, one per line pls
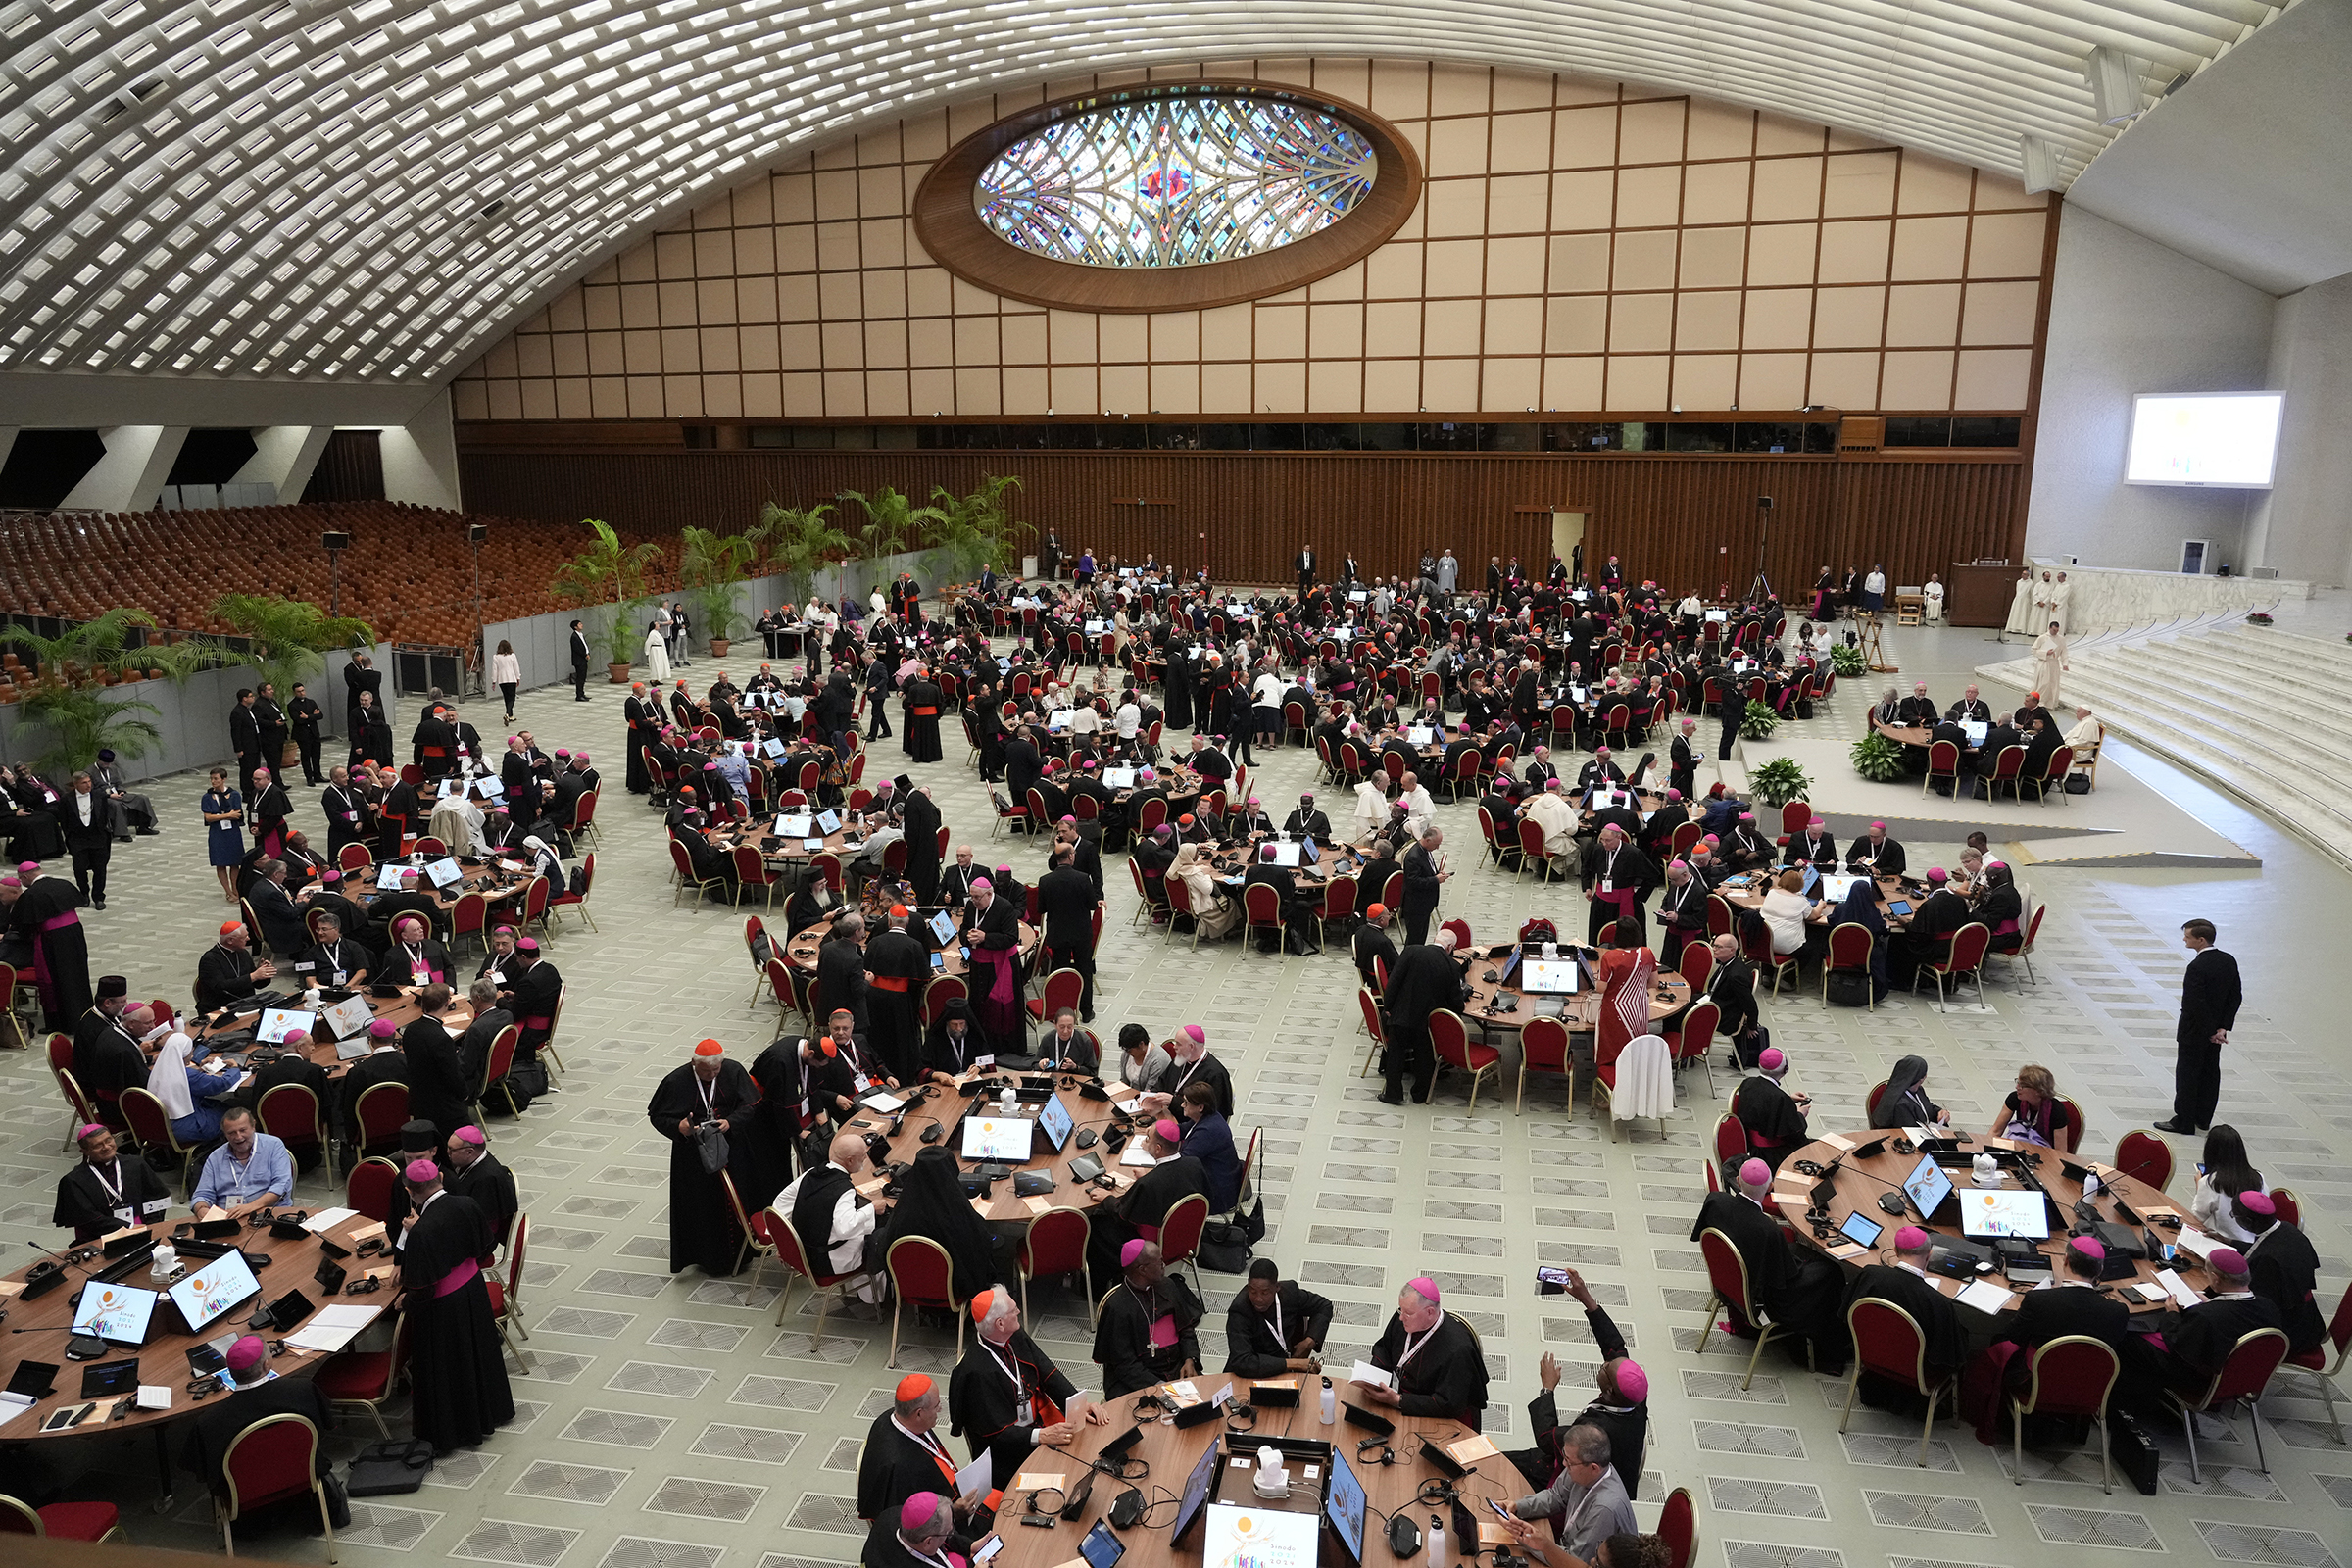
(1682, 520)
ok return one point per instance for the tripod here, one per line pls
(1761, 588)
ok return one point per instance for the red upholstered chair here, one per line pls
(1692, 1036)
(368, 1186)
(2312, 1363)
(1678, 1526)
(65, 1521)
(1543, 1048)
(2053, 778)
(584, 813)
(1730, 1137)
(921, 1274)
(755, 937)
(1888, 1342)
(2290, 1207)
(1795, 815)
(2144, 1156)
(2242, 1377)
(354, 857)
(86, 1109)
(1055, 1244)
(1261, 908)
(1180, 907)
(1532, 856)
(757, 1244)
(1719, 917)
(1732, 1299)
(1179, 1231)
(273, 1459)
(1943, 762)
(2005, 770)
(1006, 813)
(291, 1114)
(2023, 953)
(2070, 1376)
(753, 875)
(506, 1296)
(1756, 941)
(683, 865)
(1449, 1039)
(497, 1062)
(1686, 834)
(1373, 1028)
(1339, 905)
(1697, 965)
(938, 993)
(366, 1378)
(1969, 945)
(1850, 952)
(1871, 1098)
(151, 1125)
(468, 917)
(1063, 988)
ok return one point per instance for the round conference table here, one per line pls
(1669, 993)
(800, 950)
(398, 1010)
(1868, 1166)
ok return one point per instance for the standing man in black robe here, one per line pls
(1436, 1367)
(360, 676)
(245, 739)
(1148, 1330)
(643, 718)
(308, 720)
(708, 1090)
(2210, 994)
(1424, 979)
(840, 971)
(472, 1171)
(579, 662)
(41, 913)
(1422, 880)
(437, 1089)
(456, 1370)
(897, 968)
(923, 703)
(918, 814)
(1066, 902)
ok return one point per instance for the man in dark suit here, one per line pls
(1812, 847)
(2195, 1342)
(1917, 709)
(2210, 994)
(228, 968)
(1874, 853)
(245, 739)
(281, 921)
(1799, 1292)
(1422, 881)
(1066, 902)
(1297, 913)
(840, 971)
(1306, 820)
(1304, 567)
(1423, 980)
(1682, 758)
(1904, 1283)
(1372, 943)
(1137, 1212)
(580, 664)
(2074, 1305)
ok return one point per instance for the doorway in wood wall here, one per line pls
(1567, 534)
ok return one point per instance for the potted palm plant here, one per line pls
(891, 523)
(709, 565)
(614, 574)
(66, 697)
(976, 530)
(288, 640)
(800, 541)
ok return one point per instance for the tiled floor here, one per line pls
(666, 1423)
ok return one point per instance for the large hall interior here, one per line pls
(1255, 524)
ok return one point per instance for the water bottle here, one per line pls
(1330, 1401)
(1436, 1540)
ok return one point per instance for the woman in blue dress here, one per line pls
(223, 811)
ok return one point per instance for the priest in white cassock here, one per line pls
(830, 1216)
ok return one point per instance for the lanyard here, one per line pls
(1275, 1322)
(1412, 1346)
(931, 1446)
(709, 1092)
(1011, 1368)
(113, 1188)
(416, 960)
(1188, 1075)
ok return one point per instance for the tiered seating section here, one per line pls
(409, 571)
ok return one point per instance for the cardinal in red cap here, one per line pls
(899, 967)
(1006, 1395)
(696, 1106)
(456, 1361)
(904, 1458)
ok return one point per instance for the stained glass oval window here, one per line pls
(1176, 181)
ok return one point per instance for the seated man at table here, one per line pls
(903, 1456)
(1918, 709)
(1371, 943)
(1747, 849)
(1970, 709)
(1926, 935)
(1006, 1397)
(1774, 1119)
(1812, 847)
(332, 961)
(1068, 1048)
(1274, 1325)
(1904, 1283)
(825, 1202)
(1587, 1505)
(255, 1393)
(228, 968)
(952, 1044)
(250, 1170)
(2285, 1268)
(1138, 1211)
(1556, 820)
(412, 899)
(710, 862)
(106, 1192)
(1874, 853)
(415, 958)
(1800, 1290)
(1434, 1364)
(1148, 1330)
(2073, 1305)
(1619, 1406)
(2197, 1341)
(1297, 912)
(274, 909)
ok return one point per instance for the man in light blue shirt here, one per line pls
(733, 767)
(250, 1170)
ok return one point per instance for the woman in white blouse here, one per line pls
(2222, 1174)
(1788, 913)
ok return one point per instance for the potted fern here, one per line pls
(1845, 659)
(798, 540)
(1878, 759)
(614, 574)
(976, 530)
(1759, 721)
(65, 694)
(1778, 782)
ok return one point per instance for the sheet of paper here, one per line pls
(1841, 1144)
(2150, 1291)
(2177, 1287)
(1037, 1481)
(1493, 1532)
(1366, 1372)
(326, 1219)
(321, 1337)
(871, 1185)
(2195, 1243)
(12, 1287)
(155, 1396)
(1037, 1202)
(1125, 1107)
(348, 1317)
(1848, 1250)
(978, 1476)
(1471, 1450)
(1985, 1296)
(885, 1104)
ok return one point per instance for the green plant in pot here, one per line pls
(976, 530)
(68, 700)
(891, 523)
(1846, 660)
(800, 543)
(613, 575)
(1759, 721)
(711, 565)
(1878, 759)
(1778, 782)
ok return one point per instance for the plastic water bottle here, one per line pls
(1436, 1540)
(1330, 1401)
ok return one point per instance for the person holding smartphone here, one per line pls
(1621, 1407)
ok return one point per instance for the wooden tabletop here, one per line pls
(784, 852)
(1862, 1181)
(480, 876)
(1891, 888)
(164, 1361)
(800, 950)
(399, 1011)
(1171, 1453)
(946, 1105)
(1669, 995)
(1335, 859)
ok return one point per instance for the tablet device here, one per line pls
(1101, 1549)
(1898, 907)
(209, 1291)
(1054, 1120)
(1290, 855)
(445, 871)
(281, 1024)
(942, 928)
(118, 1314)
(1929, 1187)
(1004, 1138)
(828, 820)
(2002, 1211)
(106, 1379)
(387, 876)
(1195, 1497)
(1861, 1229)
(34, 1380)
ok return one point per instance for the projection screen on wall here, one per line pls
(2225, 439)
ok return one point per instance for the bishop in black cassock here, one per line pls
(455, 1365)
(707, 1089)
(1438, 1367)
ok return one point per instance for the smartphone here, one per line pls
(1501, 1513)
(987, 1550)
(1551, 1281)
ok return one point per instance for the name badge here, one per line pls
(420, 977)
(1606, 886)
(303, 968)
(863, 1082)
(125, 1216)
